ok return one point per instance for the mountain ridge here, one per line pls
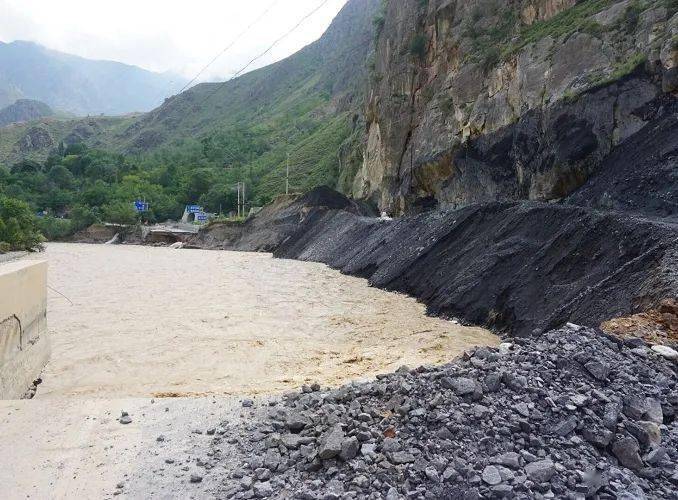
(79, 85)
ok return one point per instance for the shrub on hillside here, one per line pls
(53, 228)
(18, 226)
(120, 212)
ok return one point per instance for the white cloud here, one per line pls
(163, 35)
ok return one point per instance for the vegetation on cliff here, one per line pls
(463, 94)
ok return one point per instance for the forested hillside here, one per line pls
(198, 145)
(308, 106)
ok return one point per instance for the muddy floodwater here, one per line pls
(131, 321)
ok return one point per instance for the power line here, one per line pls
(256, 58)
(230, 45)
(239, 72)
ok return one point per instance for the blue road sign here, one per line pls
(141, 206)
(193, 209)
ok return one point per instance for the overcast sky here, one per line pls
(162, 35)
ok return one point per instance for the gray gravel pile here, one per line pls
(571, 414)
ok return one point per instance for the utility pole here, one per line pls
(287, 175)
(238, 206)
(243, 199)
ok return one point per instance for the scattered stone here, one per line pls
(626, 450)
(666, 352)
(567, 414)
(599, 370)
(263, 489)
(247, 403)
(402, 457)
(647, 433)
(541, 471)
(331, 445)
(296, 422)
(491, 475)
(195, 478)
(350, 448)
(565, 426)
(656, 455)
(461, 385)
(598, 437)
(510, 459)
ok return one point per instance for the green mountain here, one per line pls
(308, 106)
(77, 85)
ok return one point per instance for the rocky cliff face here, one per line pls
(24, 110)
(483, 100)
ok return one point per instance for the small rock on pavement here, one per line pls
(247, 403)
(195, 478)
(125, 419)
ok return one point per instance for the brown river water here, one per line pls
(138, 321)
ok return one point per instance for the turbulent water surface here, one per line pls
(131, 321)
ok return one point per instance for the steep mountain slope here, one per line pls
(483, 100)
(77, 85)
(308, 105)
(24, 110)
(318, 80)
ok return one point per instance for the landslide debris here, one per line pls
(641, 174)
(659, 326)
(277, 222)
(521, 268)
(572, 414)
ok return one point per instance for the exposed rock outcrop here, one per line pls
(24, 110)
(641, 174)
(35, 139)
(485, 100)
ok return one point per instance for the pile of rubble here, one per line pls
(570, 414)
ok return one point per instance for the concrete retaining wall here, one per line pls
(24, 343)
